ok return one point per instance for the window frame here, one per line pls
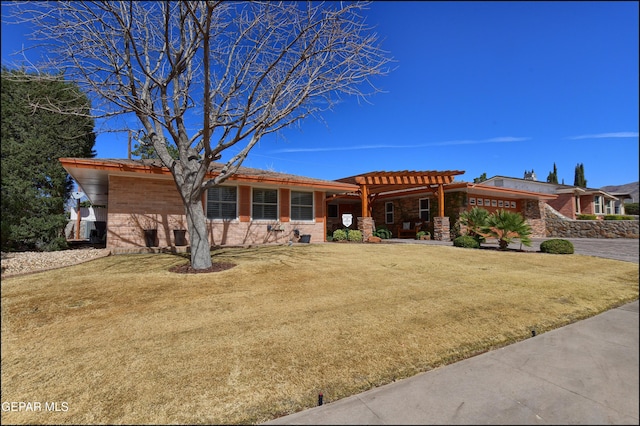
(428, 209)
(254, 204)
(292, 205)
(388, 212)
(221, 202)
(598, 204)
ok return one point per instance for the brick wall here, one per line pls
(136, 204)
(565, 205)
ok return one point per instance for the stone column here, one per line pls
(441, 228)
(366, 226)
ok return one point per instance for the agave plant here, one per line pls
(505, 226)
(475, 220)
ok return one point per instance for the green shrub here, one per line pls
(383, 233)
(618, 217)
(339, 235)
(586, 217)
(355, 236)
(56, 244)
(556, 246)
(505, 226)
(631, 208)
(475, 220)
(466, 241)
(421, 234)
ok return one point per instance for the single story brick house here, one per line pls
(257, 206)
(254, 206)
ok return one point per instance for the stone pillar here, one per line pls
(366, 226)
(441, 228)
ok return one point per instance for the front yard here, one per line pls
(123, 340)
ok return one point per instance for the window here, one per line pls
(301, 205)
(480, 202)
(265, 204)
(424, 210)
(472, 201)
(597, 204)
(222, 202)
(388, 212)
(610, 207)
(494, 203)
(500, 203)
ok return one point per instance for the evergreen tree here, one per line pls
(35, 187)
(143, 148)
(481, 178)
(553, 176)
(579, 179)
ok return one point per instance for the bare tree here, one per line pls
(240, 70)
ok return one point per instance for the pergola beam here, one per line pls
(375, 183)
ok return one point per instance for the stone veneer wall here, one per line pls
(366, 226)
(441, 229)
(559, 226)
(534, 215)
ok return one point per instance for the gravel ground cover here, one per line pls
(27, 262)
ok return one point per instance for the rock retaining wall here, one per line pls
(561, 226)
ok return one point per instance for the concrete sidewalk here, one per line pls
(583, 373)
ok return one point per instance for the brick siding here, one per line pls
(138, 203)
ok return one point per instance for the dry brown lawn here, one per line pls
(123, 340)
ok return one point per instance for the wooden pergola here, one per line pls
(375, 183)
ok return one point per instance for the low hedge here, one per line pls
(586, 217)
(618, 217)
(556, 246)
(466, 241)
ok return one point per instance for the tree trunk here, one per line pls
(198, 236)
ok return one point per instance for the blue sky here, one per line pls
(484, 87)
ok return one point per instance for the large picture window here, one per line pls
(425, 212)
(301, 205)
(265, 204)
(222, 202)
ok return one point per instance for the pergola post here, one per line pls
(364, 196)
(441, 200)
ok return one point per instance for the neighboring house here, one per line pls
(254, 206)
(571, 201)
(622, 199)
